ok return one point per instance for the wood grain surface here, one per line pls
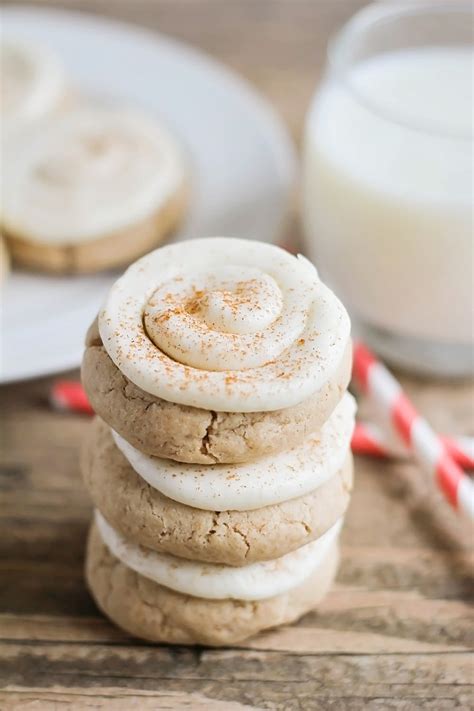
(397, 630)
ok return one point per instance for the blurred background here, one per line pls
(278, 45)
(395, 632)
(382, 183)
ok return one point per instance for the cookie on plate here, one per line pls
(91, 189)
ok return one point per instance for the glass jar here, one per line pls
(388, 181)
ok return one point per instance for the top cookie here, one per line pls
(195, 435)
(226, 325)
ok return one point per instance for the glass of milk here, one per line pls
(388, 181)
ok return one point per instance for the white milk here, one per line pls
(388, 207)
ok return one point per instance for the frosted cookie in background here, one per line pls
(33, 84)
(91, 189)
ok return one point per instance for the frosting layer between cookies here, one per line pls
(245, 487)
(87, 173)
(225, 324)
(256, 581)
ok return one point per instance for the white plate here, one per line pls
(243, 165)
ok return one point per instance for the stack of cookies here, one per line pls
(219, 463)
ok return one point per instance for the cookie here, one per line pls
(153, 612)
(91, 189)
(252, 485)
(113, 250)
(144, 516)
(225, 325)
(189, 434)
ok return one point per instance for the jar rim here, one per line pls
(377, 14)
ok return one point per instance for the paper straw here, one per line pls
(371, 440)
(69, 396)
(414, 430)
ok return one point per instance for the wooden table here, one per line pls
(395, 633)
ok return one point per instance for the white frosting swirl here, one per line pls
(244, 487)
(84, 174)
(32, 86)
(256, 581)
(225, 324)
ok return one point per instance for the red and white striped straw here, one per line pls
(371, 440)
(69, 396)
(414, 430)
